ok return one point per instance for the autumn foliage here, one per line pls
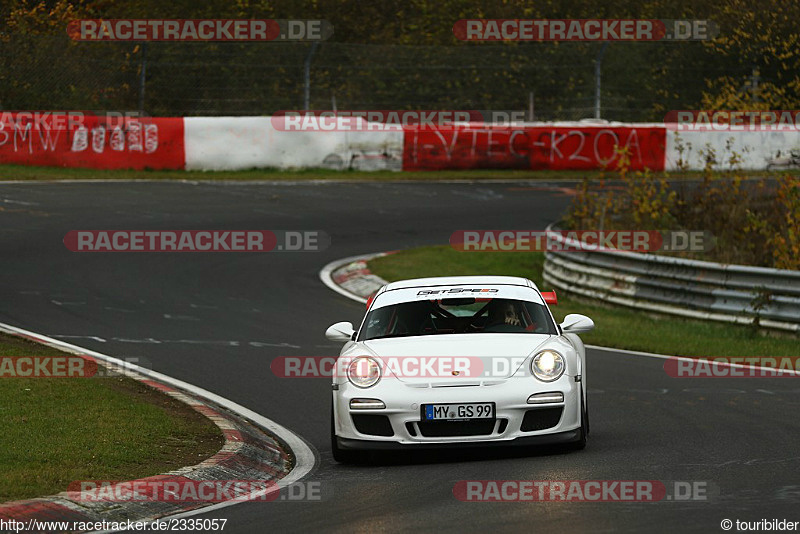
(754, 221)
(402, 54)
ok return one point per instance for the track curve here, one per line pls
(217, 320)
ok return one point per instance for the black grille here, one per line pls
(441, 429)
(373, 425)
(541, 419)
(411, 429)
(503, 425)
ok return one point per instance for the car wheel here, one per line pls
(342, 456)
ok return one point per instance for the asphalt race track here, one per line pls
(216, 320)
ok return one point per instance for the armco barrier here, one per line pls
(678, 286)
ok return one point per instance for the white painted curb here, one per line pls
(326, 274)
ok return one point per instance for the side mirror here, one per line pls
(340, 332)
(575, 323)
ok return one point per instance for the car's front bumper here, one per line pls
(568, 436)
(403, 412)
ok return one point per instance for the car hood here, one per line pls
(430, 360)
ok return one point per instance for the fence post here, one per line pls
(597, 73)
(307, 75)
(142, 75)
(530, 107)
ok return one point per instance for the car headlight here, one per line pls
(548, 366)
(364, 372)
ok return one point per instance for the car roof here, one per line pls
(460, 280)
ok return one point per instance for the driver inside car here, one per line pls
(503, 313)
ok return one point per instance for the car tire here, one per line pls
(580, 443)
(586, 416)
(343, 456)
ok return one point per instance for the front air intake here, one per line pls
(541, 419)
(373, 425)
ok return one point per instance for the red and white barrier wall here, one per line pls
(752, 150)
(535, 146)
(233, 143)
(92, 142)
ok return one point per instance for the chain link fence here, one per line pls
(547, 81)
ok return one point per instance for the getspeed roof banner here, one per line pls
(478, 291)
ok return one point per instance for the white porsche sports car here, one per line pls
(459, 361)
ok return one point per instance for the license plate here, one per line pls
(457, 412)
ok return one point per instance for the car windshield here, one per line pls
(457, 316)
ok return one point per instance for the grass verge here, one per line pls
(54, 431)
(29, 173)
(617, 327)
(23, 172)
